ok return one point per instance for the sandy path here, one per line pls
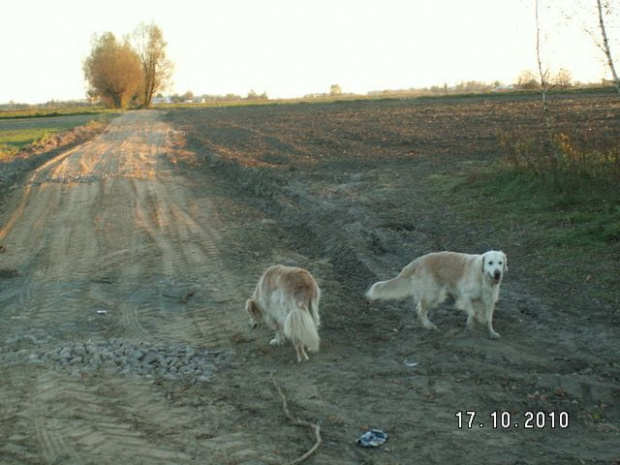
(109, 226)
(109, 241)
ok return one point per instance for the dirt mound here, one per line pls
(13, 169)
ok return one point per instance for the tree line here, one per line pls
(128, 72)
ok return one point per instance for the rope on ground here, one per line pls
(298, 422)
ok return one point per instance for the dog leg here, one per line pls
(467, 305)
(492, 333)
(278, 340)
(301, 353)
(489, 316)
(479, 308)
(422, 309)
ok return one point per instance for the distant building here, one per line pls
(161, 100)
(504, 88)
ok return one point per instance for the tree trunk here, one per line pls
(544, 84)
(117, 99)
(606, 49)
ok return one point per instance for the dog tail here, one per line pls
(300, 328)
(397, 288)
(314, 307)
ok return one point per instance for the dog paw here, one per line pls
(494, 335)
(274, 342)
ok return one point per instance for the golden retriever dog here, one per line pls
(286, 299)
(473, 282)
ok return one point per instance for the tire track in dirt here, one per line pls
(77, 422)
(47, 428)
(237, 448)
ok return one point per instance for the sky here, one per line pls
(290, 48)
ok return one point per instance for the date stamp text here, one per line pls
(499, 420)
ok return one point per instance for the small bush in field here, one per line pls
(568, 166)
(569, 182)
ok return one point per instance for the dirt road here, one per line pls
(123, 336)
(109, 244)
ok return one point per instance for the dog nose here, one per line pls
(497, 274)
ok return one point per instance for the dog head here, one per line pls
(254, 312)
(494, 265)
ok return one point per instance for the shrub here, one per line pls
(578, 167)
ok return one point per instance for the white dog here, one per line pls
(472, 280)
(287, 300)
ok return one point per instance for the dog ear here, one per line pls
(482, 263)
(252, 309)
(505, 262)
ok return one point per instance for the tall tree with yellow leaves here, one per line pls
(113, 71)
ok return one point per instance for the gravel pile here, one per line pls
(116, 356)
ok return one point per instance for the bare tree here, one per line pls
(605, 44)
(156, 67)
(113, 71)
(596, 30)
(563, 79)
(527, 80)
(335, 89)
(543, 73)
